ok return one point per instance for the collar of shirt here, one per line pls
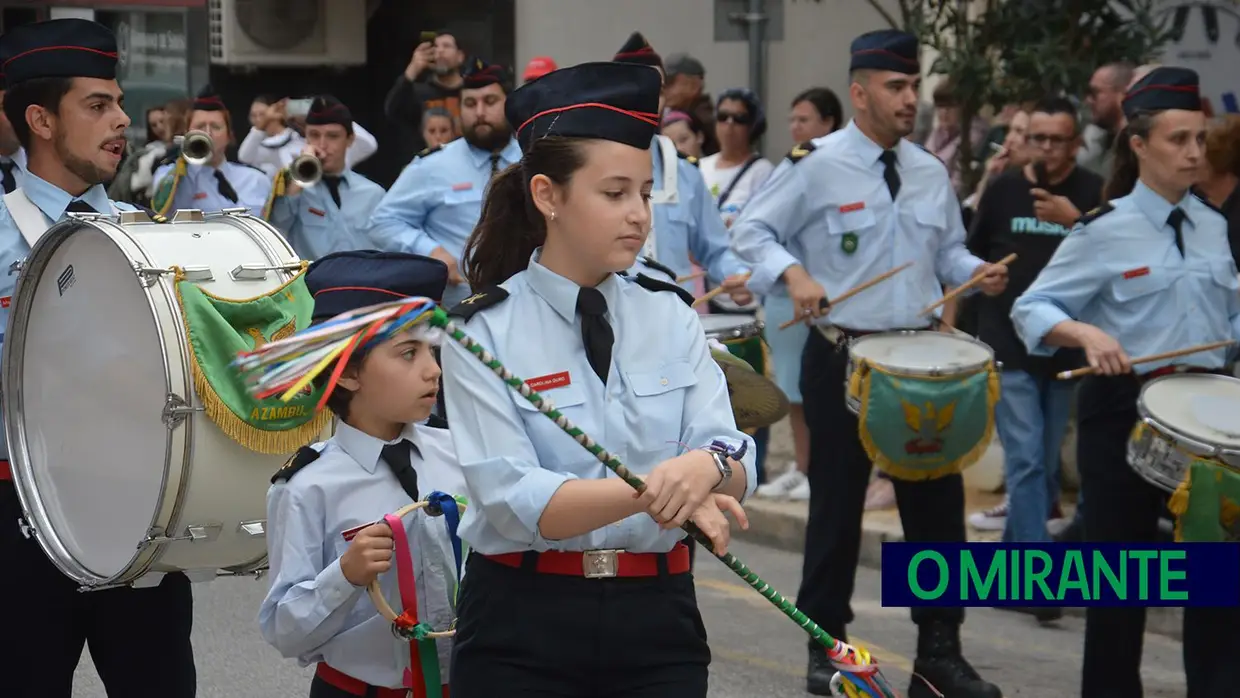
(52, 200)
(868, 151)
(366, 449)
(1156, 208)
(18, 158)
(509, 155)
(561, 293)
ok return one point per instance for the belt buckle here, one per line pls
(600, 564)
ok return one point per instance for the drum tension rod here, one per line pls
(193, 533)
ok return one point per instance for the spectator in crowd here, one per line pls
(946, 136)
(1221, 173)
(134, 182)
(685, 131)
(1106, 93)
(258, 109)
(438, 127)
(815, 113)
(432, 79)
(538, 67)
(685, 90)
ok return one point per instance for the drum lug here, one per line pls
(17, 266)
(27, 530)
(176, 411)
(258, 272)
(233, 211)
(188, 215)
(195, 533)
(254, 529)
(148, 275)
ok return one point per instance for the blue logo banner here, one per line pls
(1060, 574)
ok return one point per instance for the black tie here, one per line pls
(1176, 221)
(595, 332)
(890, 175)
(79, 206)
(333, 186)
(10, 182)
(494, 163)
(397, 457)
(226, 189)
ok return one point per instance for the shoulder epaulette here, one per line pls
(437, 422)
(252, 167)
(799, 152)
(481, 300)
(1095, 214)
(427, 151)
(689, 159)
(656, 285)
(659, 267)
(304, 456)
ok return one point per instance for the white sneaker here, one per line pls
(785, 486)
(800, 493)
(992, 519)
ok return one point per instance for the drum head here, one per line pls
(922, 351)
(1203, 407)
(729, 326)
(91, 383)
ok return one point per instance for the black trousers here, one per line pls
(139, 639)
(1125, 508)
(524, 634)
(839, 473)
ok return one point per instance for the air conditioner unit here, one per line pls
(287, 33)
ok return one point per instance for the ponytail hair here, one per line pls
(511, 227)
(1125, 168)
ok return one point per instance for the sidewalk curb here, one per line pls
(781, 525)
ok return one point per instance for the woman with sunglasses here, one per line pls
(736, 170)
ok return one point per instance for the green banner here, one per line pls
(1207, 504)
(921, 427)
(220, 328)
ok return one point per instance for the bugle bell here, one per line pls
(305, 171)
(196, 147)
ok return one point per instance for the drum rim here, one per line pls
(33, 507)
(936, 371)
(751, 328)
(1196, 445)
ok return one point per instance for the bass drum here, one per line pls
(120, 473)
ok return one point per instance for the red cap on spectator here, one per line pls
(538, 67)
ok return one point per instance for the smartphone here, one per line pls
(428, 37)
(1039, 173)
(298, 107)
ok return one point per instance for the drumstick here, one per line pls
(716, 291)
(854, 291)
(690, 277)
(1090, 370)
(965, 286)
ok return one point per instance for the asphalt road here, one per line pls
(757, 650)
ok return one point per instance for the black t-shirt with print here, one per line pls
(1005, 224)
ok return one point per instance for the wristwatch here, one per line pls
(725, 470)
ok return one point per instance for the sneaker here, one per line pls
(881, 494)
(1057, 521)
(784, 485)
(992, 519)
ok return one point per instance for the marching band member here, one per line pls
(12, 154)
(560, 544)
(686, 226)
(437, 200)
(218, 184)
(1150, 271)
(854, 204)
(380, 459)
(272, 152)
(64, 104)
(332, 215)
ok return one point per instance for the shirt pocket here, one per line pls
(459, 197)
(658, 404)
(845, 232)
(552, 444)
(1134, 289)
(1226, 284)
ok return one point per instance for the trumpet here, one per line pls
(305, 171)
(196, 147)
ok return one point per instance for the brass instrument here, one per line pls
(196, 147)
(305, 171)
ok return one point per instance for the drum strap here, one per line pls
(668, 193)
(29, 219)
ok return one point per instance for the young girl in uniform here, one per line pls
(380, 459)
(575, 585)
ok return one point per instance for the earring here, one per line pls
(553, 215)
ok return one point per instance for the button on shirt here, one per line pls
(52, 202)
(691, 225)
(436, 202)
(663, 389)
(200, 189)
(315, 226)
(832, 213)
(1122, 273)
(311, 611)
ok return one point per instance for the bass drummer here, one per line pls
(65, 107)
(855, 204)
(1150, 271)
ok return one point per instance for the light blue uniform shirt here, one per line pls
(315, 226)
(691, 225)
(663, 390)
(200, 189)
(52, 202)
(1122, 273)
(832, 213)
(436, 202)
(312, 612)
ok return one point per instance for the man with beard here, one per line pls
(433, 206)
(842, 209)
(64, 104)
(1106, 93)
(432, 80)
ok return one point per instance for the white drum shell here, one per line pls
(940, 354)
(1162, 452)
(113, 509)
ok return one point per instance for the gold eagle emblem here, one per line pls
(928, 424)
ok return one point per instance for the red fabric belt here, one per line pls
(5, 472)
(357, 687)
(601, 563)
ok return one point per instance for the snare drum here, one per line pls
(120, 473)
(742, 335)
(924, 401)
(1185, 417)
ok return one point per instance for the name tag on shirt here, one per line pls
(317, 212)
(856, 206)
(554, 380)
(1136, 273)
(200, 196)
(351, 533)
(463, 186)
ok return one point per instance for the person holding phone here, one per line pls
(432, 80)
(273, 142)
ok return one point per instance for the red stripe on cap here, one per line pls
(60, 48)
(332, 108)
(885, 52)
(652, 119)
(359, 288)
(209, 100)
(644, 51)
(1168, 88)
